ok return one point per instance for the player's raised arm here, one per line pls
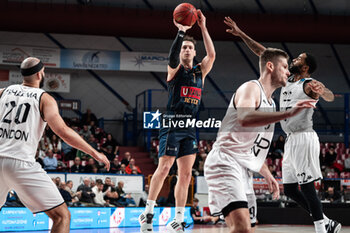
(247, 99)
(316, 89)
(50, 113)
(208, 60)
(256, 47)
(174, 53)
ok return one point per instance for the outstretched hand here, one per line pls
(181, 27)
(300, 105)
(234, 29)
(103, 159)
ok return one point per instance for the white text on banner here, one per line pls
(15, 54)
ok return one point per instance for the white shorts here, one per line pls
(301, 162)
(226, 181)
(33, 186)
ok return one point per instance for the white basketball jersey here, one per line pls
(290, 95)
(248, 145)
(21, 124)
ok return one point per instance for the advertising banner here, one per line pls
(127, 217)
(90, 59)
(86, 59)
(15, 54)
(82, 218)
(53, 82)
(21, 219)
(136, 61)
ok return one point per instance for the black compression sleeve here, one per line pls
(174, 53)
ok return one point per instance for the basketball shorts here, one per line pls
(33, 186)
(177, 142)
(301, 162)
(226, 180)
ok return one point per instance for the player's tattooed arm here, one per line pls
(256, 47)
(315, 89)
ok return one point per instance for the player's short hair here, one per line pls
(310, 61)
(195, 200)
(270, 54)
(191, 39)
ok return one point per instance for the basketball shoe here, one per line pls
(333, 226)
(145, 221)
(176, 227)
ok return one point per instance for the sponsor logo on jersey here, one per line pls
(191, 92)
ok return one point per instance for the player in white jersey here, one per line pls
(24, 112)
(243, 140)
(300, 164)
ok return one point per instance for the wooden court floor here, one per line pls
(208, 229)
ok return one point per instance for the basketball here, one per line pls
(185, 14)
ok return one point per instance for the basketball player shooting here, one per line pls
(180, 143)
(24, 112)
(300, 164)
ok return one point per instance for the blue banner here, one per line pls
(90, 59)
(89, 218)
(20, 219)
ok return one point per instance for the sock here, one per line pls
(150, 206)
(320, 227)
(179, 214)
(326, 219)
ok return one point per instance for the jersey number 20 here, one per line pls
(22, 107)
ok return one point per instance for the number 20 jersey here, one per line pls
(247, 145)
(21, 123)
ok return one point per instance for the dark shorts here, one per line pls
(177, 142)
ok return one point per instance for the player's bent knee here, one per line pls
(59, 214)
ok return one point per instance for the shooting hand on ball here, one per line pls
(181, 27)
(201, 19)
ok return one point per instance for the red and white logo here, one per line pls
(192, 92)
(117, 217)
(164, 216)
